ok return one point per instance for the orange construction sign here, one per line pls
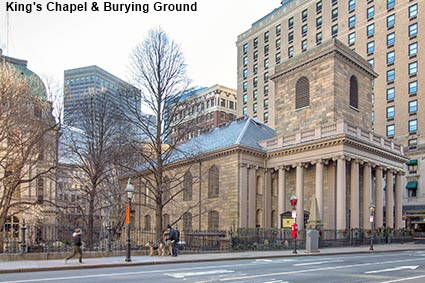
(127, 214)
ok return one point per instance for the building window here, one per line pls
(351, 22)
(335, 30)
(255, 55)
(352, 38)
(318, 38)
(245, 98)
(255, 82)
(390, 4)
(187, 186)
(222, 102)
(290, 36)
(266, 63)
(266, 104)
(278, 30)
(187, 221)
(372, 117)
(266, 49)
(245, 60)
(413, 87)
(390, 130)
(354, 95)
(413, 30)
(304, 30)
(266, 36)
(302, 93)
(390, 39)
(245, 73)
(245, 111)
(266, 90)
(304, 15)
(318, 22)
(371, 62)
(40, 190)
(413, 106)
(391, 21)
(370, 12)
(370, 47)
(290, 22)
(255, 94)
(213, 221)
(304, 45)
(371, 30)
(278, 58)
(390, 75)
(413, 11)
(319, 7)
(290, 51)
(147, 222)
(413, 68)
(351, 5)
(245, 87)
(266, 117)
(255, 68)
(255, 108)
(390, 112)
(413, 125)
(213, 182)
(255, 42)
(232, 105)
(413, 49)
(335, 14)
(334, 2)
(278, 42)
(391, 57)
(245, 48)
(412, 143)
(266, 76)
(390, 94)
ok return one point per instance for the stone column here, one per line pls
(267, 198)
(355, 194)
(367, 194)
(341, 193)
(398, 201)
(379, 217)
(252, 187)
(389, 200)
(319, 188)
(243, 196)
(300, 195)
(281, 195)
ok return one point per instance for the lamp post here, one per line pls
(372, 224)
(23, 242)
(129, 191)
(294, 201)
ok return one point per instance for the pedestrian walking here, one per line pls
(174, 237)
(76, 246)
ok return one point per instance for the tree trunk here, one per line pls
(158, 222)
(90, 226)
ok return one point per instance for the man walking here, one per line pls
(174, 237)
(76, 247)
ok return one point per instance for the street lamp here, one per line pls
(372, 224)
(294, 227)
(129, 191)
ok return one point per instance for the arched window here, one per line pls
(187, 221)
(187, 186)
(259, 188)
(147, 222)
(40, 190)
(302, 93)
(213, 182)
(274, 219)
(165, 220)
(259, 218)
(213, 221)
(274, 187)
(354, 92)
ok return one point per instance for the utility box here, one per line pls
(312, 243)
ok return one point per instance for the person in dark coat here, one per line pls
(174, 238)
(76, 246)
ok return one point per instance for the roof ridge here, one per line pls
(238, 140)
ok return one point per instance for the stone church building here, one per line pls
(324, 148)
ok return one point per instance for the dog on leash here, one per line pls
(159, 247)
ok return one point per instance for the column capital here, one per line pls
(243, 165)
(317, 161)
(339, 157)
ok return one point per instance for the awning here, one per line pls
(412, 162)
(412, 185)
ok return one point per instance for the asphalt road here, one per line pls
(394, 267)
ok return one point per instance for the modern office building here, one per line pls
(385, 32)
(84, 82)
(209, 106)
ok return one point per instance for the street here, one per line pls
(391, 267)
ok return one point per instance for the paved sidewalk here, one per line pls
(47, 265)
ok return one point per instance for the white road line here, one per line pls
(316, 269)
(201, 273)
(404, 279)
(393, 269)
(317, 262)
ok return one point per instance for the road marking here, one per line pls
(405, 279)
(317, 262)
(315, 269)
(188, 274)
(393, 269)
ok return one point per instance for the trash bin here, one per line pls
(312, 244)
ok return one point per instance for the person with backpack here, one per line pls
(174, 237)
(76, 246)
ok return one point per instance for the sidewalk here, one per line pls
(47, 265)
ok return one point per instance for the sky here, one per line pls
(52, 41)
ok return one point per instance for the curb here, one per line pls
(129, 264)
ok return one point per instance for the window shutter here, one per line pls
(354, 94)
(302, 93)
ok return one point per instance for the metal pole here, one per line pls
(128, 258)
(295, 238)
(23, 243)
(372, 232)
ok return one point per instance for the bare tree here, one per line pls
(159, 71)
(28, 139)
